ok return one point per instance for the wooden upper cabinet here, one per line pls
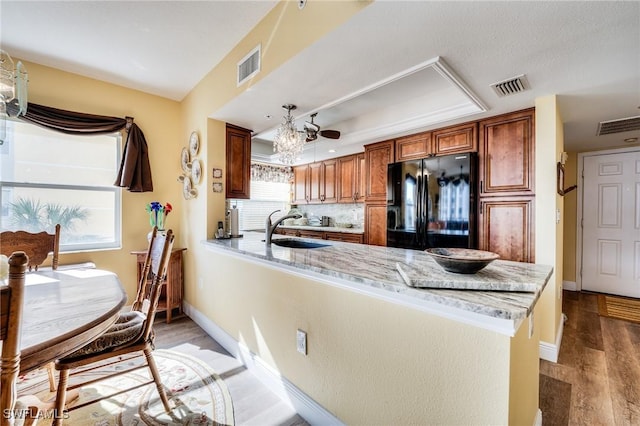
(329, 181)
(238, 162)
(455, 139)
(506, 154)
(413, 147)
(350, 178)
(300, 184)
(315, 183)
(361, 187)
(377, 157)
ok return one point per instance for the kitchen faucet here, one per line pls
(269, 228)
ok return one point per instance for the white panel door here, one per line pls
(611, 224)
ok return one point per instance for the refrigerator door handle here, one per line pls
(420, 210)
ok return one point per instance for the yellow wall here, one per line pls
(548, 234)
(570, 218)
(159, 120)
(283, 33)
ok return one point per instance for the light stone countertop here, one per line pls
(372, 270)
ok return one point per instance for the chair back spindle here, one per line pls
(11, 309)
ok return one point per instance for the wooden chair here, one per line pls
(11, 308)
(36, 245)
(131, 334)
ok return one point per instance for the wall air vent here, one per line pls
(618, 126)
(249, 65)
(511, 86)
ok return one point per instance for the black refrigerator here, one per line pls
(431, 202)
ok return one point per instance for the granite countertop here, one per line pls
(372, 270)
(324, 228)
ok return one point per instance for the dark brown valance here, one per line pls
(135, 169)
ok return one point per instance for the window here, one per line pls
(265, 198)
(48, 177)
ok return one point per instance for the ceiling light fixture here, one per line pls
(289, 143)
(13, 91)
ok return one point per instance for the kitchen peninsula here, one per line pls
(378, 350)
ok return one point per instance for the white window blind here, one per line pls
(265, 198)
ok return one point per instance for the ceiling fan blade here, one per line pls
(330, 134)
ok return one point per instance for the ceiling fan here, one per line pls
(312, 130)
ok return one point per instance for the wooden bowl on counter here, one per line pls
(462, 260)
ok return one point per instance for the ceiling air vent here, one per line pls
(511, 86)
(249, 65)
(618, 126)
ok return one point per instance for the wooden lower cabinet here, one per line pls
(171, 295)
(344, 237)
(506, 227)
(375, 225)
(347, 237)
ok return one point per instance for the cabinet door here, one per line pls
(344, 237)
(506, 227)
(329, 181)
(315, 183)
(506, 154)
(456, 139)
(346, 179)
(305, 233)
(300, 184)
(238, 162)
(413, 147)
(375, 224)
(377, 157)
(361, 188)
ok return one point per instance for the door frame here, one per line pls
(579, 203)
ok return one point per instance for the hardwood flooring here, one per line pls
(596, 380)
(253, 402)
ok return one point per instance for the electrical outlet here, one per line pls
(301, 341)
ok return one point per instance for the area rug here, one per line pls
(619, 307)
(198, 396)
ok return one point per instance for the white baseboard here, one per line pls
(549, 351)
(538, 419)
(569, 285)
(306, 407)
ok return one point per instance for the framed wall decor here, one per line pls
(217, 173)
(217, 186)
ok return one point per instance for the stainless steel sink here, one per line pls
(291, 243)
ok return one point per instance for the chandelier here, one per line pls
(289, 142)
(13, 91)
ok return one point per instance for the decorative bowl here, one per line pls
(462, 260)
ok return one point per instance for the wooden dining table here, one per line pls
(64, 310)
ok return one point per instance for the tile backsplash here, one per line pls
(338, 213)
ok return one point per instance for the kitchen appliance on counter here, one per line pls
(431, 202)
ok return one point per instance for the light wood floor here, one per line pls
(596, 380)
(253, 403)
